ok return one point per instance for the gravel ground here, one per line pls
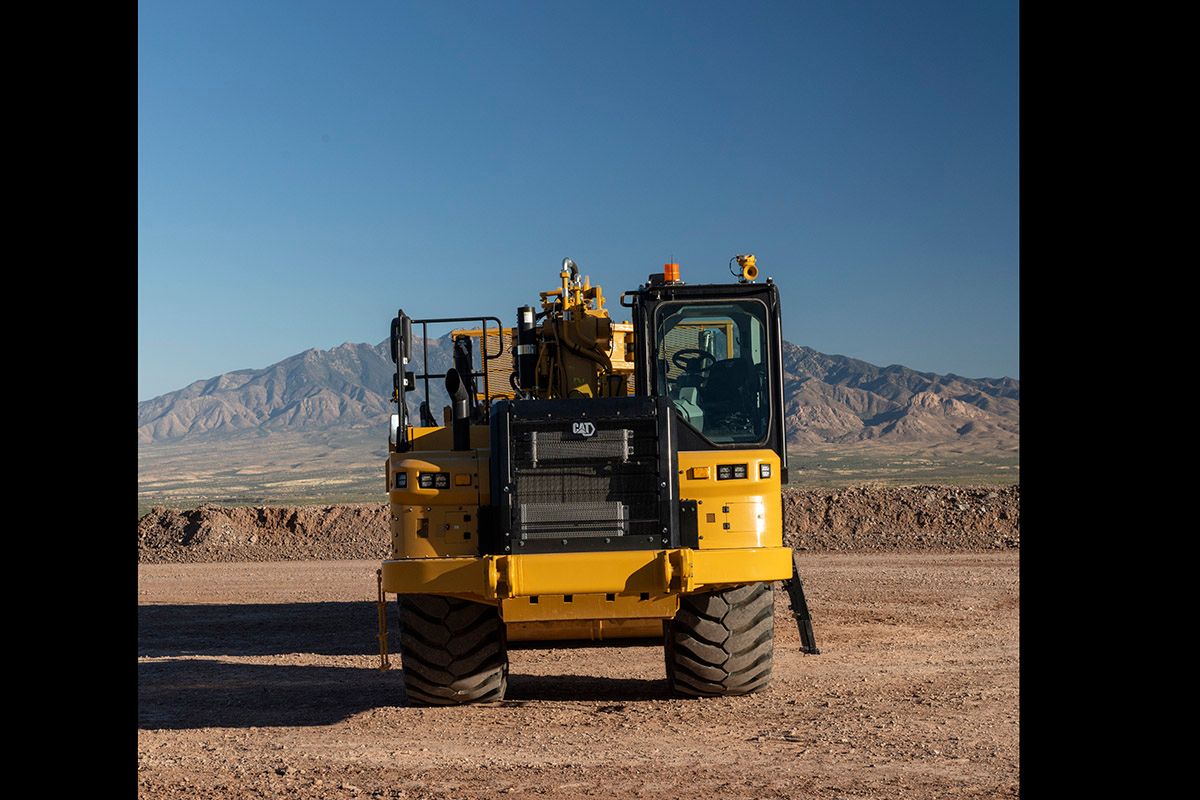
(260, 680)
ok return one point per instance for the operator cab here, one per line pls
(711, 361)
(714, 350)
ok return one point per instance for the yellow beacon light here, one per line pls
(749, 270)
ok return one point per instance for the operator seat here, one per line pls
(686, 380)
(684, 391)
(728, 389)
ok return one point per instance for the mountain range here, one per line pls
(828, 398)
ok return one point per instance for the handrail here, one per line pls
(484, 356)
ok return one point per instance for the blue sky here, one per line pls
(305, 168)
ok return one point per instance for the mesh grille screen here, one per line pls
(499, 369)
(585, 487)
(551, 447)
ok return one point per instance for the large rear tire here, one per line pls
(453, 651)
(721, 643)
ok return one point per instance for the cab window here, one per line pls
(711, 360)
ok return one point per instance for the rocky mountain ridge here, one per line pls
(828, 398)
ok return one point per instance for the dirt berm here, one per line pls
(862, 519)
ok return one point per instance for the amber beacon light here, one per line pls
(671, 273)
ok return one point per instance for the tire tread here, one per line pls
(452, 651)
(721, 643)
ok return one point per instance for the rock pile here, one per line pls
(861, 518)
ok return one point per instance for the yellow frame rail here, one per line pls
(679, 570)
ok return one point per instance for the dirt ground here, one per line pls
(261, 680)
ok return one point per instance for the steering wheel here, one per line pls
(690, 357)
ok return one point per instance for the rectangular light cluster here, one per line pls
(727, 472)
(433, 480)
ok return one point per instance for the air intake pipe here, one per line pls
(460, 403)
(462, 363)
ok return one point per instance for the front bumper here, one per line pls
(676, 571)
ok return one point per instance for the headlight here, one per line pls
(433, 480)
(729, 471)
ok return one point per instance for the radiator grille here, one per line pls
(547, 520)
(568, 486)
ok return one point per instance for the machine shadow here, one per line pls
(541, 688)
(205, 691)
(334, 629)
(200, 693)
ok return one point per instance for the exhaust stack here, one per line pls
(526, 350)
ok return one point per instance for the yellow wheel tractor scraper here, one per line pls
(594, 480)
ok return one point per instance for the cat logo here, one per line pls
(584, 429)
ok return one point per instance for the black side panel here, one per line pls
(689, 524)
(489, 531)
(495, 540)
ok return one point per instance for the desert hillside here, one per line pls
(829, 399)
